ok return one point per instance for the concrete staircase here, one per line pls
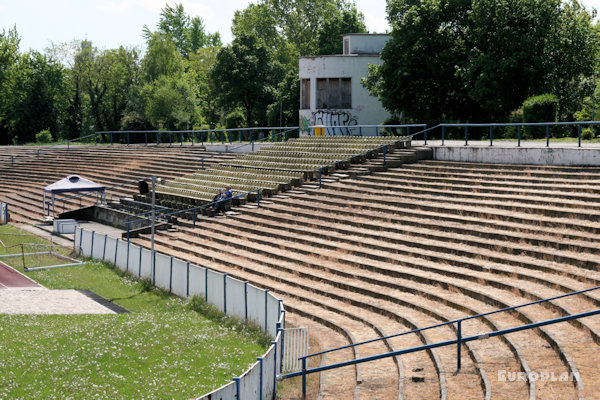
(369, 256)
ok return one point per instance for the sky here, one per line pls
(112, 23)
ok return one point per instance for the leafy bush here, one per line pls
(44, 137)
(543, 108)
(235, 119)
(587, 134)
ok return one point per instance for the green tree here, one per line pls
(9, 56)
(38, 97)
(169, 102)
(162, 58)
(245, 75)
(187, 33)
(348, 20)
(473, 60)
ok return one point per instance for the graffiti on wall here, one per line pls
(331, 119)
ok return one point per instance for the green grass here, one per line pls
(163, 349)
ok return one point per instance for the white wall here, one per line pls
(521, 155)
(366, 110)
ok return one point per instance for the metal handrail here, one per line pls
(347, 128)
(459, 340)
(195, 209)
(251, 143)
(459, 320)
(519, 125)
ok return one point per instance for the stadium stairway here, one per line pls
(282, 166)
(21, 185)
(372, 255)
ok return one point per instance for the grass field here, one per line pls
(163, 349)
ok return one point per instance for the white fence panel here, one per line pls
(77, 237)
(4, 213)
(86, 242)
(215, 289)
(146, 264)
(227, 392)
(197, 280)
(180, 278)
(121, 255)
(272, 315)
(162, 271)
(134, 260)
(268, 368)
(236, 299)
(98, 249)
(256, 305)
(250, 383)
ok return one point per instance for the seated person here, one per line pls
(222, 204)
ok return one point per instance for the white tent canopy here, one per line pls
(71, 184)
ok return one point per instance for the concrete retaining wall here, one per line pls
(521, 155)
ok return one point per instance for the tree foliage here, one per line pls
(246, 75)
(475, 60)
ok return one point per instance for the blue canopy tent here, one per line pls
(71, 184)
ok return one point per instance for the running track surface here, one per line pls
(11, 278)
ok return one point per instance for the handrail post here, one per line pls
(547, 135)
(128, 139)
(194, 219)
(491, 135)
(458, 344)
(579, 135)
(146, 138)
(466, 135)
(376, 131)
(384, 154)
(111, 138)
(425, 134)
(519, 136)
(304, 378)
(443, 134)
(258, 198)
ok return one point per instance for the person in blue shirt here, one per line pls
(223, 195)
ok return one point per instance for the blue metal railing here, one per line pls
(281, 135)
(362, 130)
(518, 125)
(193, 210)
(201, 136)
(458, 342)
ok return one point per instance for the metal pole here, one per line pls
(579, 135)
(466, 135)
(443, 134)
(547, 135)
(458, 349)
(304, 378)
(491, 135)
(519, 136)
(153, 215)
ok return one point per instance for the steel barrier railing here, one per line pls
(518, 125)
(458, 342)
